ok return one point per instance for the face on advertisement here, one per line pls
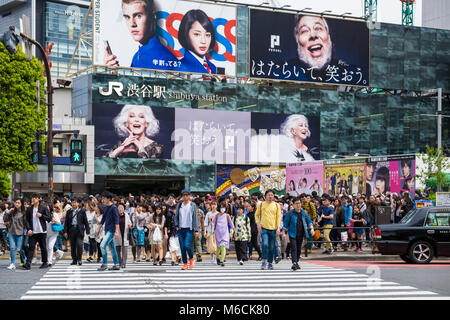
(136, 121)
(380, 185)
(314, 44)
(301, 129)
(200, 39)
(137, 19)
(406, 168)
(410, 184)
(370, 168)
(196, 32)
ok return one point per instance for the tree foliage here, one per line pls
(5, 184)
(436, 164)
(19, 118)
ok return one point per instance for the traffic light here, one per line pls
(10, 40)
(36, 152)
(76, 151)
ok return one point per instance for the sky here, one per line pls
(389, 11)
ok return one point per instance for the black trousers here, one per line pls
(76, 244)
(94, 247)
(40, 238)
(241, 250)
(255, 244)
(296, 247)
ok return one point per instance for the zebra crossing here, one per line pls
(209, 281)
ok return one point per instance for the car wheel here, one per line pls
(421, 252)
(405, 258)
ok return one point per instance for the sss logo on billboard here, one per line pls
(186, 36)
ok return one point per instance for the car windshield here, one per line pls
(406, 219)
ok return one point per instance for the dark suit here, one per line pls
(40, 238)
(190, 64)
(76, 232)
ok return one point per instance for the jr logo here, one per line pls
(274, 41)
(112, 86)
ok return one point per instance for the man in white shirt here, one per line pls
(37, 216)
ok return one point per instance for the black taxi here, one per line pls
(421, 235)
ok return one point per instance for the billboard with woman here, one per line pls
(166, 35)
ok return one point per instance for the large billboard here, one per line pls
(344, 177)
(305, 48)
(226, 137)
(247, 180)
(304, 178)
(394, 174)
(167, 35)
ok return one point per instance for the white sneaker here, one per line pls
(12, 267)
(2, 253)
(241, 262)
(34, 261)
(59, 254)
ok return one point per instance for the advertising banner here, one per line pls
(129, 131)
(167, 35)
(247, 180)
(442, 198)
(391, 174)
(423, 203)
(344, 177)
(226, 137)
(304, 177)
(297, 47)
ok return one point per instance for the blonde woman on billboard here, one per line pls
(296, 128)
(136, 124)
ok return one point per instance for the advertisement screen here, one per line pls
(167, 35)
(392, 174)
(304, 178)
(344, 179)
(226, 137)
(297, 47)
(247, 180)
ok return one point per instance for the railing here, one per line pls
(349, 241)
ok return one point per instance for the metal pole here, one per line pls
(49, 115)
(439, 119)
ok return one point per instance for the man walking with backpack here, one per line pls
(297, 223)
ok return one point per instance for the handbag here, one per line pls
(211, 245)
(157, 235)
(57, 227)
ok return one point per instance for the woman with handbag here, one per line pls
(223, 231)
(15, 221)
(93, 227)
(53, 229)
(208, 230)
(122, 241)
(138, 221)
(157, 222)
(170, 234)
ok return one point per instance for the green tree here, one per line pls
(5, 184)
(19, 116)
(436, 164)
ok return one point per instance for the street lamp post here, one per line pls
(14, 37)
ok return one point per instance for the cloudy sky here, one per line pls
(389, 11)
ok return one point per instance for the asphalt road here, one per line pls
(434, 277)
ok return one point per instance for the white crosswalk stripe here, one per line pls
(209, 281)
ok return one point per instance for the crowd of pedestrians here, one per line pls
(188, 226)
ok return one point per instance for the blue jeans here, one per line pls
(185, 237)
(59, 243)
(4, 237)
(15, 243)
(108, 241)
(268, 243)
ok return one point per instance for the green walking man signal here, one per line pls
(76, 151)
